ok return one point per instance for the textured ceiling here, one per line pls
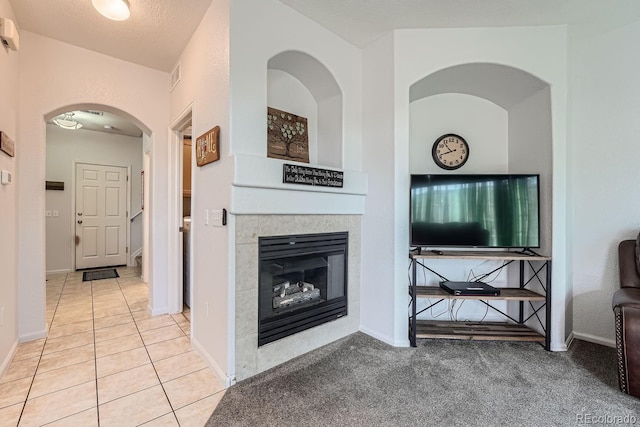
(154, 36)
(362, 21)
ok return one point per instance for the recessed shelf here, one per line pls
(496, 331)
(509, 294)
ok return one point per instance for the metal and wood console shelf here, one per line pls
(512, 330)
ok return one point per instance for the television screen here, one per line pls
(489, 211)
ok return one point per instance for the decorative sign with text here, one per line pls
(7, 145)
(304, 175)
(208, 147)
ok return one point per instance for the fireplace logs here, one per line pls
(286, 295)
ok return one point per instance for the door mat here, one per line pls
(88, 276)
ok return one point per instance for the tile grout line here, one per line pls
(135, 322)
(95, 355)
(26, 399)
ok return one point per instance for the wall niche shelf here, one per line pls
(514, 328)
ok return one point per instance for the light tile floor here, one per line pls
(107, 362)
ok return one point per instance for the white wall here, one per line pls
(54, 75)
(605, 172)
(378, 293)
(530, 151)
(483, 124)
(205, 88)
(64, 149)
(9, 101)
(540, 51)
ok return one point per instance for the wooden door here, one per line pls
(101, 216)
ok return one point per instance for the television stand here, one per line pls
(528, 251)
(514, 328)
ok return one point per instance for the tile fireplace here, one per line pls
(252, 358)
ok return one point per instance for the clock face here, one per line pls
(450, 151)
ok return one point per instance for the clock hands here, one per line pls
(448, 148)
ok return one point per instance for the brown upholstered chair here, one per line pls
(626, 307)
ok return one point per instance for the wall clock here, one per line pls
(450, 151)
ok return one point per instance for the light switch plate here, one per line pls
(5, 177)
(218, 217)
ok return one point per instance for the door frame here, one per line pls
(74, 164)
(175, 266)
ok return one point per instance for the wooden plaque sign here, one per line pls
(208, 147)
(7, 145)
(287, 136)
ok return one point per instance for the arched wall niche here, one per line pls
(503, 85)
(300, 84)
(523, 140)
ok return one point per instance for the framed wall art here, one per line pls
(287, 136)
(7, 145)
(208, 147)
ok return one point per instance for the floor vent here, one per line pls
(111, 273)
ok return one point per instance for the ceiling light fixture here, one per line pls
(117, 10)
(66, 121)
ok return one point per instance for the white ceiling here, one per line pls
(154, 36)
(362, 21)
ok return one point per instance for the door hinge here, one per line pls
(127, 251)
(127, 178)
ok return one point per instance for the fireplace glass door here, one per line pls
(303, 283)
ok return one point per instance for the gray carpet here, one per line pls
(359, 381)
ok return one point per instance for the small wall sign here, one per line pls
(54, 185)
(7, 145)
(305, 175)
(208, 147)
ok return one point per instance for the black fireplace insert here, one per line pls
(303, 283)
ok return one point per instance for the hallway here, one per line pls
(107, 362)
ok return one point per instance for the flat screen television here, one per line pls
(483, 211)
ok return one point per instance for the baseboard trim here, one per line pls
(222, 376)
(34, 336)
(63, 271)
(7, 360)
(569, 340)
(158, 311)
(132, 258)
(594, 339)
(384, 338)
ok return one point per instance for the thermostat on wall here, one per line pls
(5, 177)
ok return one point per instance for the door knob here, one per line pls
(79, 213)
(80, 222)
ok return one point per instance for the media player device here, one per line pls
(469, 288)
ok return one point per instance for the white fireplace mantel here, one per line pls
(258, 189)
